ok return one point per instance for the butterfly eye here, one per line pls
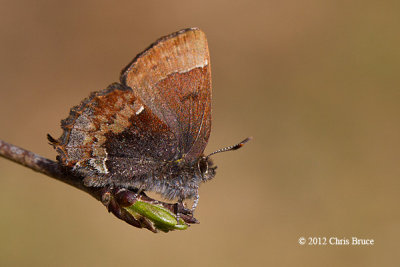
(203, 166)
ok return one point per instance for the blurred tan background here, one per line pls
(315, 82)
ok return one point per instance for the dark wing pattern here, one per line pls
(173, 78)
(111, 134)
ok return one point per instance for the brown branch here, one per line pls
(115, 199)
(43, 165)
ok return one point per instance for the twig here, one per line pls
(43, 165)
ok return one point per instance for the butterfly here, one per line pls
(149, 131)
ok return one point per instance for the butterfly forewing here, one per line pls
(173, 79)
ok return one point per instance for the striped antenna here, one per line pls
(230, 148)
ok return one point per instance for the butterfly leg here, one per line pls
(196, 201)
(178, 209)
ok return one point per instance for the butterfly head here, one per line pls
(205, 165)
(206, 168)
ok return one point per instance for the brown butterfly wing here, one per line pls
(173, 78)
(112, 137)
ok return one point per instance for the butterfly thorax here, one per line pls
(177, 179)
(173, 180)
